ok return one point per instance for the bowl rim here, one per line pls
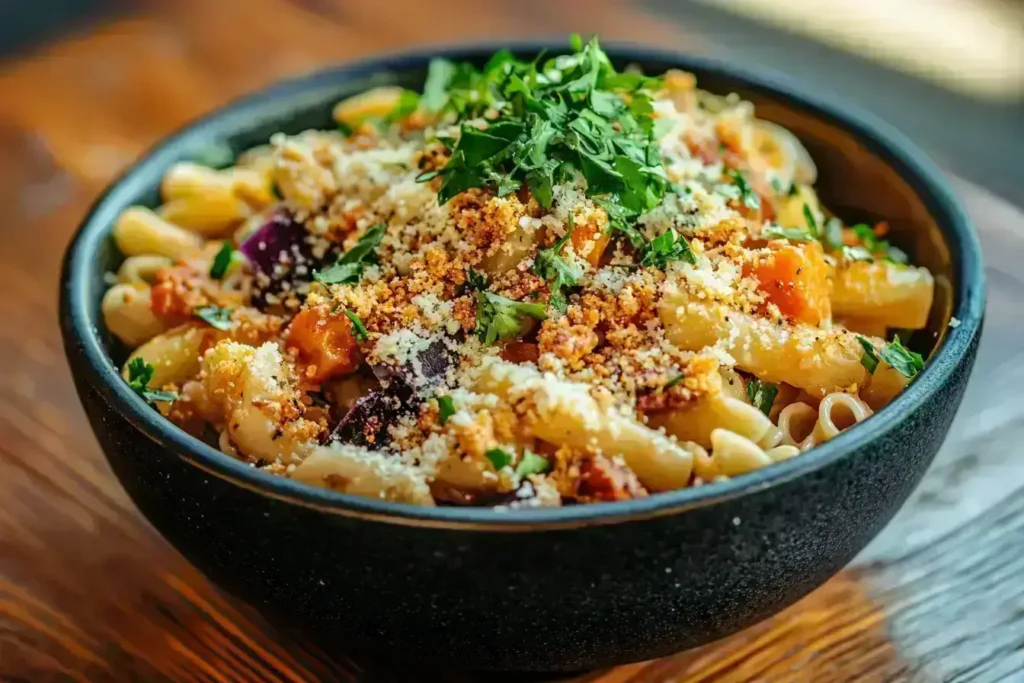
(84, 350)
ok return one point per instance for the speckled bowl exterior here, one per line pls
(541, 590)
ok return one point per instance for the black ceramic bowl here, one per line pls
(554, 589)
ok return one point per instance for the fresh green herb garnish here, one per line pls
(876, 247)
(358, 329)
(857, 253)
(215, 316)
(751, 199)
(779, 188)
(350, 266)
(500, 318)
(833, 234)
(275, 191)
(668, 246)
(812, 224)
(901, 359)
(532, 464)
(139, 375)
(222, 261)
(762, 394)
(869, 359)
(780, 232)
(675, 380)
(558, 270)
(408, 102)
(445, 408)
(499, 458)
(548, 121)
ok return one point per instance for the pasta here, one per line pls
(528, 286)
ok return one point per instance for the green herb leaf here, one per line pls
(833, 234)
(857, 253)
(779, 189)
(555, 118)
(780, 232)
(762, 394)
(558, 270)
(408, 102)
(435, 91)
(358, 329)
(350, 266)
(812, 224)
(532, 463)
(902, 359)
(666, 247)
(675, 381)
(499, 458)
(445, 408)
(750, 198)
(215, 316)
(870, 357)
(275, 190)
(222, 261)
(500, 318)
(140, 373)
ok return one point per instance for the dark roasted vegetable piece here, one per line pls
(281, 255)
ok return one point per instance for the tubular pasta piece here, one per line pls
(253, 390)
(818, 361)
(568, 415)
(362, 472)
(174, 355)
(883, 294)
(697, 422)
(138, 231)
(127, 314)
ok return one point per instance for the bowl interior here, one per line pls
(866, 172)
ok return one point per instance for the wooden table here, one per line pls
(89, 592)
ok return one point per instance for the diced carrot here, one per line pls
(173, 296)
(596, 237)
(520, 352)
(325, 343)
(602, 479)
(795, 278)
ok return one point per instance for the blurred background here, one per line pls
(949, 73)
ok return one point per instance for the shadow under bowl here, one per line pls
(539, 590)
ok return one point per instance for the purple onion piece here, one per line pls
(367, 421)
(281, 254)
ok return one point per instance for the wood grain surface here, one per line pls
(89, 592)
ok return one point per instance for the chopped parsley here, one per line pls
(140, 373)
(558, 270)
(550, 120)
(215, 316)
(675, 380)
(350, 266)
(832, 235)
(901, 359)
(532, 464)
(869, 359)
(750, 198)
(780, 232)
(878, 247)
(445, 408)
(222, 261)
(408, 102)
(358, 329)
(762, 394)
(668, 246)
(812, 224)
(499, 458)
(857, 253)
(500, 318)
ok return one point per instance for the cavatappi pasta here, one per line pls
(537, 284)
